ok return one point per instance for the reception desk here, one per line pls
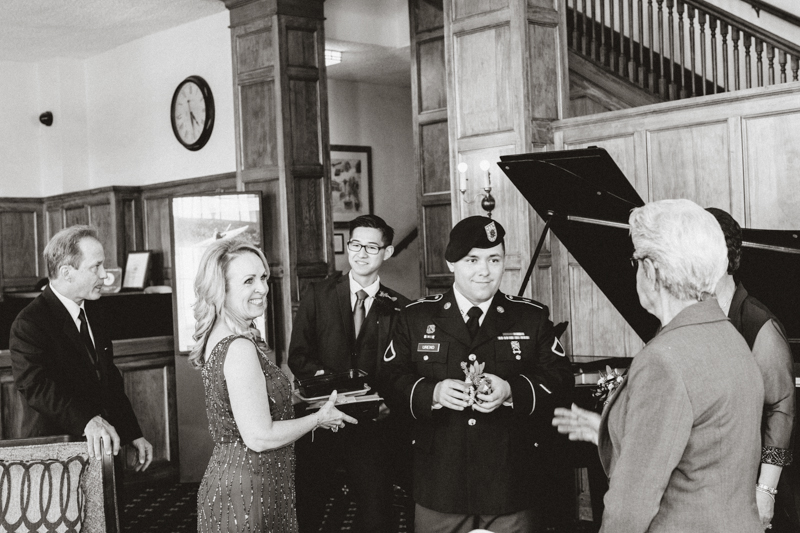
(141, 332)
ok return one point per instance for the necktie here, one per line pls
(86, 338)
(358, 312)
(474, 314)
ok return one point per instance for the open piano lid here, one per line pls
(588, 199)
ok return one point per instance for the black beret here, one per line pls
(473, 232)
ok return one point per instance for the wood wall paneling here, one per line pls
(55, 222)
(254, 48)
(680, 166)
(432, 80)
(304, 117)
(309, 220)
(467, 8)
(259, 125)
(12, 406)
(301, 47)
(544, 82)
(75, 215)
(772, 156)
(483, 93)
(19, 246)
(435, 168)
(100, 216)
(426, 15)
(437, 229)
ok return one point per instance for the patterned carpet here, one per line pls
(172, 508)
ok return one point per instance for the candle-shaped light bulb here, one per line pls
(462, 182)
(485, 167)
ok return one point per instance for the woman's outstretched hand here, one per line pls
(329, 417)
(578, 423)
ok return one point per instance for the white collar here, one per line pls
(73, 309)
(371, 290)
(465, 305)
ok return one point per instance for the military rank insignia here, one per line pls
(515, 349)
(431, 329)
(491, 231)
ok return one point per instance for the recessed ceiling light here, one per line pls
(332, 57)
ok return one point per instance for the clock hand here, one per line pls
(194, 120)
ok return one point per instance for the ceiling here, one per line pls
(38, 30)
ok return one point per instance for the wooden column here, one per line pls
(282, 140)
(506, 80)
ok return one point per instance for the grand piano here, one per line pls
(585, 200)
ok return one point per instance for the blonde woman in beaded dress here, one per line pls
(249, 483)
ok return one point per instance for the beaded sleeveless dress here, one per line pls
(243, 490)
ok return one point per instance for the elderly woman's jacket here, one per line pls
(679, 438)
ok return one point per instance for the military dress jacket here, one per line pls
(467, 462)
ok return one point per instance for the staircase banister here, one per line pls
(744, 25)
(760, 5)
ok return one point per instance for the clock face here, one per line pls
(193, 112)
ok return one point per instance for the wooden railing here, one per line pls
(679, 48)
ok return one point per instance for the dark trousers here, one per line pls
(430, 521)
(360, 450)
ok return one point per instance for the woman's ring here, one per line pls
(335, 429)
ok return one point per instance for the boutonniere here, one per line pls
(386, 295)
(478, 383)
(609, 381)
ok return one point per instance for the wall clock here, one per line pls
(192, 112)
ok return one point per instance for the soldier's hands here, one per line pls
(99, 430)
(452, 394)
(501, 391)
(578, 423)
(144, 454)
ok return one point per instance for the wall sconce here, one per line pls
(487, 200)
(46, 118)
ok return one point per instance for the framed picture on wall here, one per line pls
(195, 223)
(351, 182)
(338, 243)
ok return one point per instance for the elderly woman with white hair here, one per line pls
(679, 437)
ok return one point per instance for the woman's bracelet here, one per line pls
(769, 491)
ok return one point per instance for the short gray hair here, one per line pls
(64, 248)
(685, 243)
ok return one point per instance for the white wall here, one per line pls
(111, 114)
(19, 130)
(379, 116)
(381, 22)
(130, 134)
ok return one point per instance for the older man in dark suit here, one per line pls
(478, 441)
(344, 323)
(63, 363)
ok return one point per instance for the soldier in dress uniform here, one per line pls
(476, 455)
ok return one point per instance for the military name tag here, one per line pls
(513, 337)
(428, 347)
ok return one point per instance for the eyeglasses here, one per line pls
(635, 263)
(371, 249)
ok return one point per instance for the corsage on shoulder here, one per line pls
(609, 381)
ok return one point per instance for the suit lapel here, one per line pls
(69, 328)
(345, 309)
(603, 437)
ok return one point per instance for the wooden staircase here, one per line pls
(625, 53)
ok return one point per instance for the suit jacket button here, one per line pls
(424, 357)
(519, 357)
(472, 357)
(535, 444)
(413, 442)
(471, 422)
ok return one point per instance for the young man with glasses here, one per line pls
(345, 323)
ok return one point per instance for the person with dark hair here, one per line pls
(481, 372)
(344, 323)
(62, 358)
(767, 339)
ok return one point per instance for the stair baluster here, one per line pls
(748, 67)
(584, 42)
(662, 81)
(651, 77)
(782, 63)
(631, 60)
(641, 44)
(701, 21)
(723, 31)
(712, 25)
(594, 39)
(673, 88)
(575, 36)
(736, 72)
(603, 49)
(770, 64)
(690, 16)
(795, 67)
(622, 61)
(759, 62)
(681, 46)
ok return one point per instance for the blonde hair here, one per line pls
(211, 287)
(685, 243)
